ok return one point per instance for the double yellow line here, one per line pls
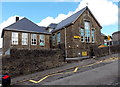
(76, 68)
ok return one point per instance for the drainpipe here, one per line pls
(65, 44)
(29, 40)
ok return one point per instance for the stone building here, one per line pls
(24, 34)
(75, 35)
(116, 39)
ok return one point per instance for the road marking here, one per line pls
(110, 59)
(33, 81)
(76, 69)
(52, 75)
(40, 79)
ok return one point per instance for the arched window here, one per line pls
(87, 31)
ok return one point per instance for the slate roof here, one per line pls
(26, 25)
(117, 32)
(52, 25)
(69, 20)
(72, 19)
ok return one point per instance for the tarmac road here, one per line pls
(104, 75)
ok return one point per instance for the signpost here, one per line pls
(109, 44)
(109, 38)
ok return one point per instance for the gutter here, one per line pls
(26, 31)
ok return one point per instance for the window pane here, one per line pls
(14, 38)
(58, 37)
(42, 40)
(82, 34)
(87, 31)
(24, 38)
(53, 40)
(33, 39)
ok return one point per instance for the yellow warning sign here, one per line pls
(108, 37)
(84, 53)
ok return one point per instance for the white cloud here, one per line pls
(6, 23)
(104, 10)
(48, 20)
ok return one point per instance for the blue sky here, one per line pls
(42, 13)
(36, 11)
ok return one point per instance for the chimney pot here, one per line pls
(17, 18)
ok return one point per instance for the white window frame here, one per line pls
(82, 34)
(33, 39)
(14, 38)
(24, 38)
(42, 40)
(87, 31)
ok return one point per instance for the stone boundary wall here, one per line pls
(100, 52)
(25, 61)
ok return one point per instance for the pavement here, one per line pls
(21, 79)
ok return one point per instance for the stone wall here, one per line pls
(22, 62)
(99, 52)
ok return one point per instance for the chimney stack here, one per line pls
(17, 19)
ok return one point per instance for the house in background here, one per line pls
(107, 40)
(116, 39)
(24, 34)
(75, 35)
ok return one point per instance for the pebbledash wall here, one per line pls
(25, 61)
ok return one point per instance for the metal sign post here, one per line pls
(109, 48)
(109, 44)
